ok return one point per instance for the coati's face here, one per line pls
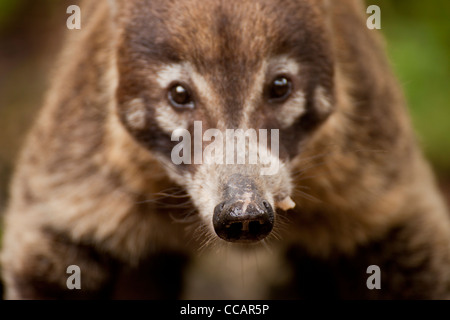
(226, 65)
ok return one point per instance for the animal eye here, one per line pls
(180, 97)
(280, 89)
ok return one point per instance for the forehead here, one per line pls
(223, 33)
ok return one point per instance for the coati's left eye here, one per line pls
(280, 89)
(179, 97)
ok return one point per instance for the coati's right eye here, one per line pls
(280, 89)
(179, 97)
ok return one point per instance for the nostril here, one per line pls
(234, 230)
(254, 227)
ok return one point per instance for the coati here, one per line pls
(96, 187)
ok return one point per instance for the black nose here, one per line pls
(243, 222)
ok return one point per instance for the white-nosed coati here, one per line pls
(96, 186)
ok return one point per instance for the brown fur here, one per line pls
(80, 191)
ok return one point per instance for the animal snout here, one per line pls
(240, 221)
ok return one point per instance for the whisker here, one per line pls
(314, 157)
(189, 217)
(304, 187)
(172, 195)
(266, 246)
(302, 171)
(300, 178)
(307, 196)
(164, 196)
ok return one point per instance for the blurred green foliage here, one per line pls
(15, 13)
(418, 43)
(7, 10)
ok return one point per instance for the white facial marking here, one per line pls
(184, 72)
(169, 74)
(168, 119)
(284, 65)
(136, 114)
(292, 109)
(202, 86)
(323, 103)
